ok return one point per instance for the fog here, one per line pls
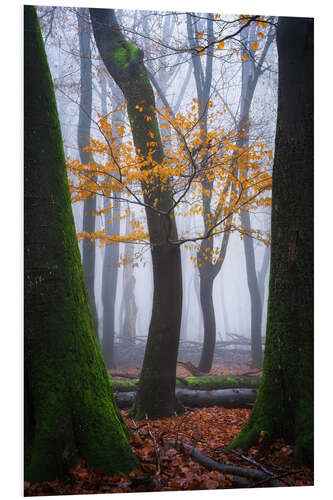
(230, 293)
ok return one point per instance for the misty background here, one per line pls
(159, 34)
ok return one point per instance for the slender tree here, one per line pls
(69, 410)
(284, 406)
(128, 308)
(111, 255)
(208, 271)
(83, 134)
(251, 72)
(156, 394)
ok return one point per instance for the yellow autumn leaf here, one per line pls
(200, 35)
(244, 56)
(255, 46)
(220, 45)
(217, 16)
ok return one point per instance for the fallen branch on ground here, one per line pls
(257, 464)
(250, 474)
(191, 368)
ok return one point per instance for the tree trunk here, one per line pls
(69, 408)
(256, 304)
(156, 396)
(262, 273)
(208, 314)
(128, 303)
(83, 134)
(111, 254)
(109, 286)
(284, 407)
(208, 271)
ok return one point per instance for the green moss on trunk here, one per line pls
(70, 412)
(284, 407)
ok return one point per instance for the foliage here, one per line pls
(192, 157)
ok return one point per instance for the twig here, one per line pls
(277, 477)
(158, 464)
(257, 464)
(137, 426)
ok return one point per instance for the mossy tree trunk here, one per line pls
(69, 408)
(83, 134)
(284, 407)
(156, 394)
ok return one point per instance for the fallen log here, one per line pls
(227, 398)
(196, 383)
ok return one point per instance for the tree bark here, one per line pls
(69, 410)
(208, 314)
(284, 407)
(156, 396)
(83, 134)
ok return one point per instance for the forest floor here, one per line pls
(166, 467)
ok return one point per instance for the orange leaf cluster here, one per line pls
(194, 158)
